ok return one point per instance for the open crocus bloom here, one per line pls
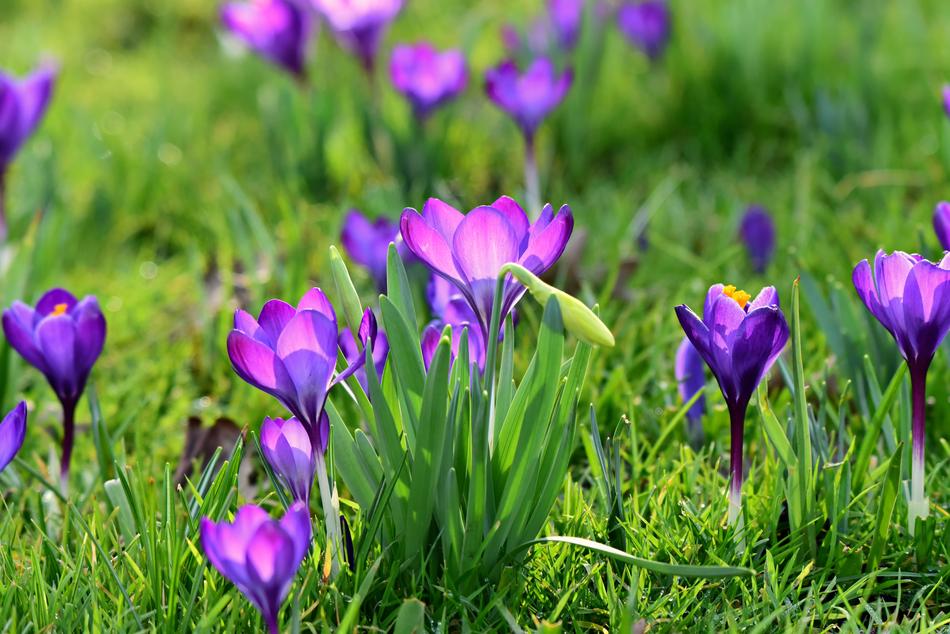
(359, 24)
(426, 77)
(647, 25)
(530, 96)
(287, 447)
(910, 296)
(469, 250)
(12, 433)
(259, 555)
(278, 30)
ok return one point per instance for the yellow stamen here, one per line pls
(60, 309)
(741, 297)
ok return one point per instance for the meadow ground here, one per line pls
(177, 180)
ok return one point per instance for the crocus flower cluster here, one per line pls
(12, 433)
(259, 555)
(359, 24)
(647, 25)
(757, 231)
(22, 105)
(739, 340)
(277, 30)
(62, 338)
(469, 250)
(690, 379)
(366, 242)
(427, 77)
(910, 296)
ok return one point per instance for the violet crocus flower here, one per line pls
(469, 250)
(23, 103)
(12, 433)
(359, 24)
(566, 16)
(259, 555)
(427, 77)
(942, 224)
(647, 25)
(690, 379)
(287, 447)
(277, 30)
(757, 231)
(449, 307)
(62, 338)
(910, 296)
(367, 243)
(739, 340)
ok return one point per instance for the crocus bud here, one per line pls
(288, 449)
(757, 231)
(579, 320)
(12, 433)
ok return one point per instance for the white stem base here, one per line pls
(331, 517)
(918, 505)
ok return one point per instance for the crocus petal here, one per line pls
(768, 296)
(714, 292)
(546, 247)
(51, 299)
(942, 224)
(90, 333)
(307, 348)
(516, 217)
(862, 277)
(442, 217)
(430, 342)
(274, 317)
(316, 300)
(20, 338)
(257, 364)
(927, 309)
(56, 339)
(12, 433)
(286, 447)
(484, 242)
(246, 323)
(429, 245)
(761, 338)
(296, 523)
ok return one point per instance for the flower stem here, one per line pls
(918, 505)
(331, 516)
(531, 181)
(737, 429)
(69, 432)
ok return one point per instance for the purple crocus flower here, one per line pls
(62, 338)
(367, 243)
(278, 30)
(757, 231)
(426, 77)
(647, 25)
(946, 99)
(469, 250)
(259, 555)
(359, 24)
(12, 433)
(290, 453)
(23, 103)
(529, 96)
(691, 378)
(739, 340)
(566, 16)
(352, 353)
(942, 224)
(910, 296)
(449, 307)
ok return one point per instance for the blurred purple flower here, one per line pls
(566, 17)
(469, 250)
(12, 433)
(426, 77)
(910, 296)
(278, 30)
(529, 96)
(367, 243)
(757, 231)
(942, 224)
(647, 25)
(62, 338)
(288, 450)
(946, 99)
(259, 555)
(739, 340)
(359, 24)
(691, 378)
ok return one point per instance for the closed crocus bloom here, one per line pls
(691, 378)
(529, 96)
(910, 296)
(277, 30)
(12, 433)
(739, 340)
(366, 242)
(566, 18)
(259, 555)
(359, 24)
(942, 224)
(62, 338)
(469, 250)
(757, 231)
(426, 77)
(289, 451)
(647, 25)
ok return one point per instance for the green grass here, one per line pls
(177, 183)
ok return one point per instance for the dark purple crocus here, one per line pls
(469, 250)
(22, 105)
(942, 224)
(691, 378)
(449, 307)
(12, 433)
(427, 77)
(367, 243)
(287, 447)
(566, 16)
(359, 24)
(259, 555)
(528, 96)
(62, 338)
(352, 353)
(739, 340)
(277, 30)
(647, 25)
(757, 231)
(910, 296)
